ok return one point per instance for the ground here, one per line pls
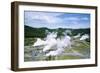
(79, 50)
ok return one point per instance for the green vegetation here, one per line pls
(41, 32)
(83, 47)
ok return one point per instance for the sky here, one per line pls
(53, 20)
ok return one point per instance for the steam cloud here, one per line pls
(54, 45)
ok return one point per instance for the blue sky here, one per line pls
(55, 20)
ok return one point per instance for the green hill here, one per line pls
(42, 32)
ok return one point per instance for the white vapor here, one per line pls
(84, 37)
(54, 45)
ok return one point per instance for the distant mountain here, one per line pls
(42, 32)
(34, 32)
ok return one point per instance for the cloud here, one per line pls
(85, 18)
(72, 18)
(55, 20)
(45, 17)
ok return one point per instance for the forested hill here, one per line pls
(42, 32)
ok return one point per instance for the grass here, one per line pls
(68, 57)
(29, 41)
(82, 47)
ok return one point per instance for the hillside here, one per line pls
(42, 32)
